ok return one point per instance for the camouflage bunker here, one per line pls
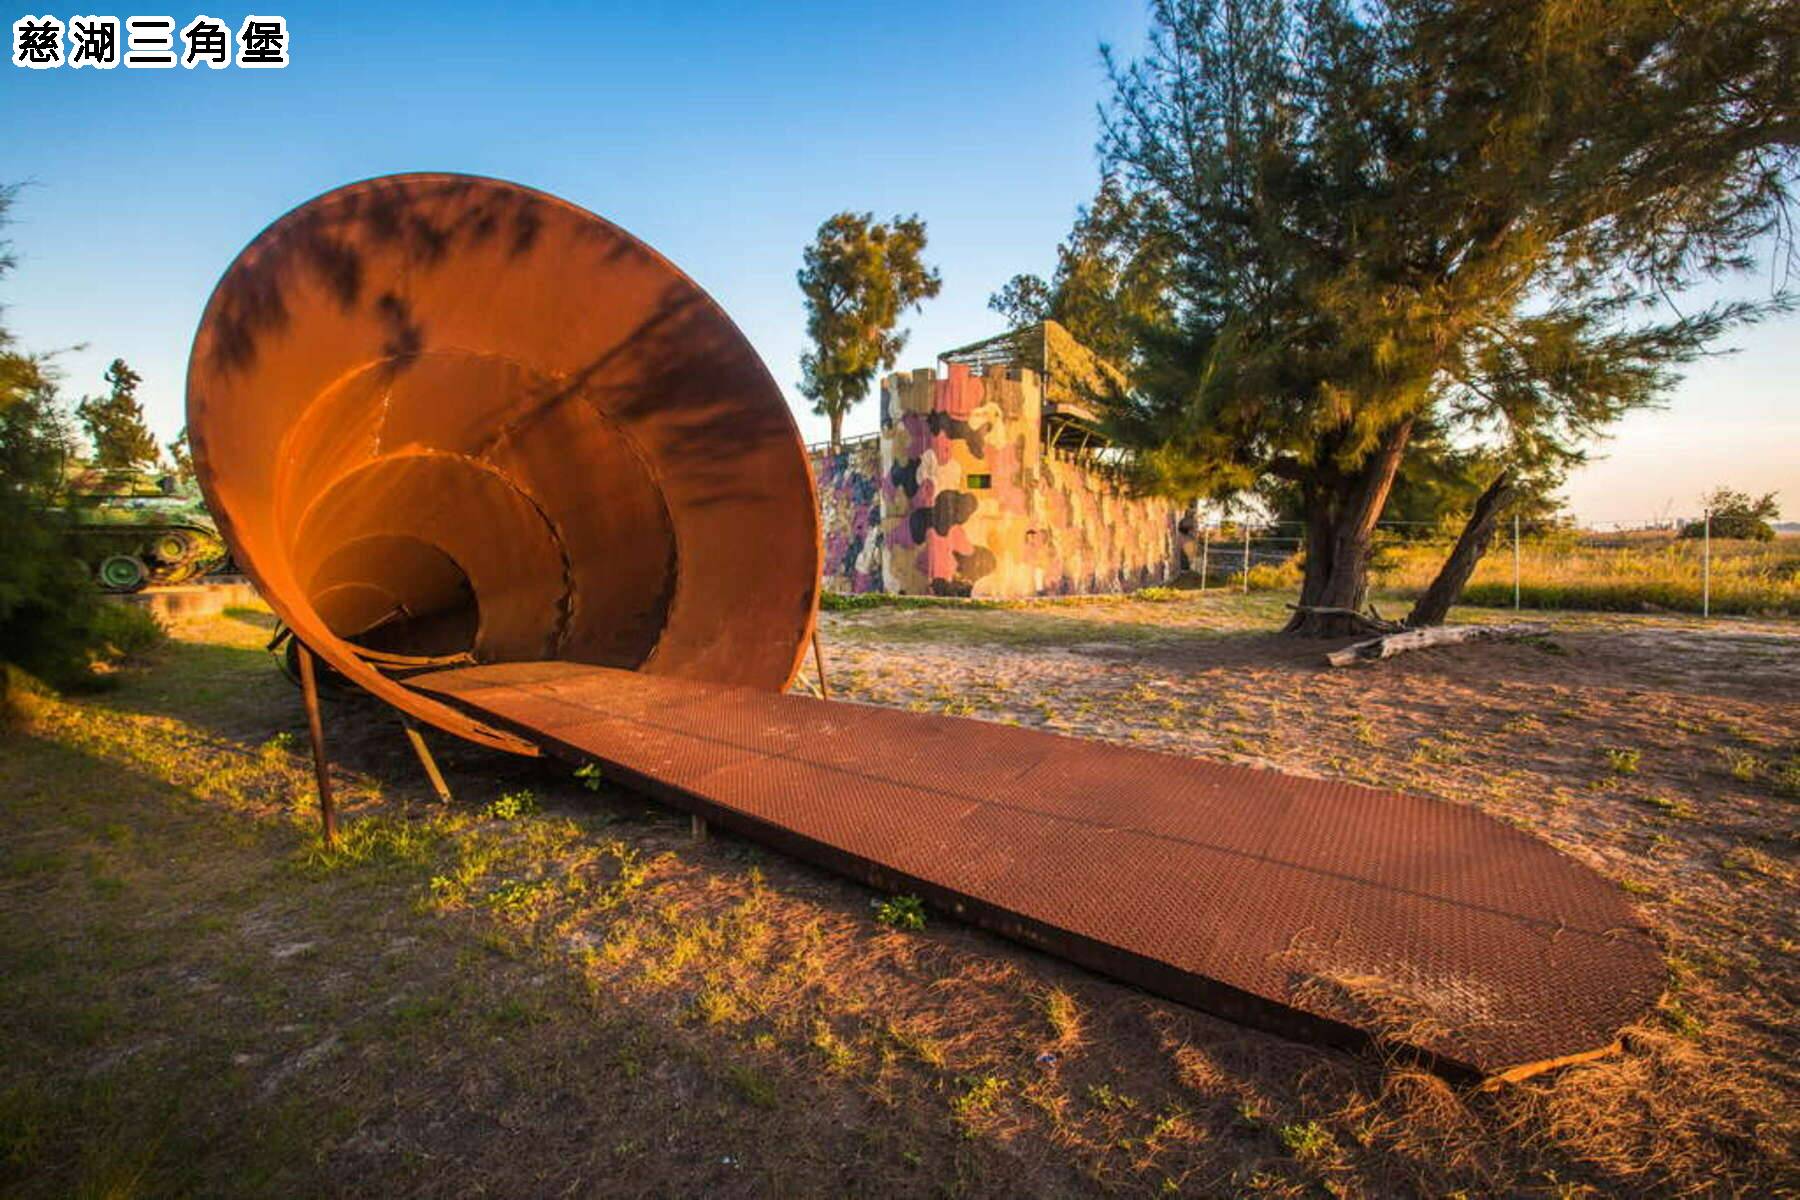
(989, 478)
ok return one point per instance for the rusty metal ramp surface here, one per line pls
(1311, 907)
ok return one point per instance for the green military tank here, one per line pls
(132, 529)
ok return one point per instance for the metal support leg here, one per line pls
(697, 828)
(417, 738)
(309, 689)
(819, 665)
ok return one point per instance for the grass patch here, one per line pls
(865, 601)
(1622, 760)
(752, 1085)
(1307, 1140)
(203, 1002)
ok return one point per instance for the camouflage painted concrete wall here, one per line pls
(1095, 537)
(971, 506)
(850, 515)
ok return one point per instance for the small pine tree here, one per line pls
(115, 422)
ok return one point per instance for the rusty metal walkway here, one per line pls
(1311, 907)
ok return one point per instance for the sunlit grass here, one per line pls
(1631, 576)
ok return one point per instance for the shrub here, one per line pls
(1276, 577)
(1736, 515)
(48, 607)
(123, 630)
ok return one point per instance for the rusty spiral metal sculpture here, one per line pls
(513, 473)
(443, 417)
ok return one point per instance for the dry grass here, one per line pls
(566, 995)
(1637, 574)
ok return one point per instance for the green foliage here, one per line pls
(121, 630)
(1736, 515)
(1416, 213)
(591, 776)
(858, 277)
(182, 456)
(512, 805)
(1111, 280)
(49, 609)
(115, 422)
(1436, 488)
(900, 912)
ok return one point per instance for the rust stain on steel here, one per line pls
(444, 420)
(1312, 907)
(435, 413)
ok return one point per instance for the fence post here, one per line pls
(1706, 568)
(1246, 558)
(1515, 562)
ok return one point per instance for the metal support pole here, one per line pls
(309, 689)
(417, 738)
(696, 827)
(1515, 562)
(1706, 569)
(819, 663)
(1246, 558)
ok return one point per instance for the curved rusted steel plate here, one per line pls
(1312, 907)
(438, 415)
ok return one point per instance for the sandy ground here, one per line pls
(569, 997)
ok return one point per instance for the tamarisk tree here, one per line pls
(1475, 215)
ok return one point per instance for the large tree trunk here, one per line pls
(837, 430)
(1477, 535)
(1340, 535)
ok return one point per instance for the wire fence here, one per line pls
(1652, 566)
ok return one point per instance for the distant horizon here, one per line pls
(721, 141)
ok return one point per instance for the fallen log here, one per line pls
(1435, 635)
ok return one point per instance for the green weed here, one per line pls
(900, 912)
(1307, 1139)
(1622, 760)
(512, 805)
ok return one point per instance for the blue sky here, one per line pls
(720, 134)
